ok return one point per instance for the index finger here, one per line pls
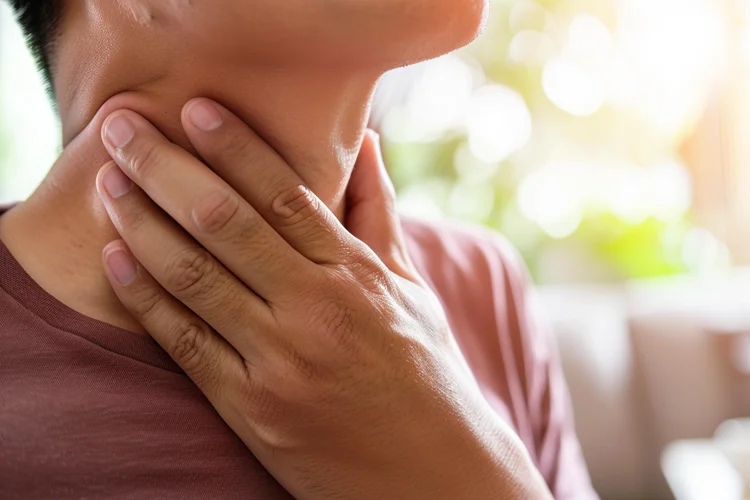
(205, 206)
(262, 177)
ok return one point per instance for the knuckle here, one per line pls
(190, 273)
(216, 212)
(136, 217)
(190, 349)
(146, 303)
(367, 271)
(262, 400)
(295, 205)
(281, 389)
(248, 228)
(360, 259)
(267, 420)
(238, 146)
(144, 158)
(298, 367)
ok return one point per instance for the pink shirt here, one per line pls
(88, 410)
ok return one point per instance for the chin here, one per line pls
(436, 27)
(382, 33)
(464, 18)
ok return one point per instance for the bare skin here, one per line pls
(406, 423)
(300, 73)
(319, 345)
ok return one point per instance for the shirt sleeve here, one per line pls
(550, 432)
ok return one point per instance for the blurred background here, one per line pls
(606, 140)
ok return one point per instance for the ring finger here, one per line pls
(185, 269)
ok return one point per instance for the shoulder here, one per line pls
(463, 253)
(487, 295)
(482, 283)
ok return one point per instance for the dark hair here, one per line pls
(39, 20)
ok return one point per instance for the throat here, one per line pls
(58, 234)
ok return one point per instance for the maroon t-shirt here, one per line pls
(88, 410)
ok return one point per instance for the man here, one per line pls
(310, 347)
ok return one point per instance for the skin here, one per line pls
(300, 73)
(295, 79)
(319, 345)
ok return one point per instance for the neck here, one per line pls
(314, 122)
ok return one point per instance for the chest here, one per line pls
(111, 428)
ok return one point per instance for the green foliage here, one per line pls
(432, 177)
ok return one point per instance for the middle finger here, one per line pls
(205, 206)
(181, 266)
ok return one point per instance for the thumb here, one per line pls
(371, 209)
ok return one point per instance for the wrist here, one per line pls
(492, 462)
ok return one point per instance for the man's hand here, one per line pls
(321, 347)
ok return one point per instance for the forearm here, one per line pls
(497, 466)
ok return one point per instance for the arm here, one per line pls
(553, 440)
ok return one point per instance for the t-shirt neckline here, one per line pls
(16, 283)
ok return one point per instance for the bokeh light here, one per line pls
(498, 123)
(568, 124)
(581, 124)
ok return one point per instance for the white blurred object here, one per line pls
(576, 82)
(498, 123)
(589, 40)
(666, 55)
(698, 470)
(438, 93)
(30, 129)
(659, 63)
(531, 47)
(733, 438)
(557, 195)
(648, 364)
(528, 15)
(553, 198)
(576, 90)
(703, 252)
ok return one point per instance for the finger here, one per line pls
(180, 265)
(372, 215)
(214, 366)
(206, 206)
(264, 179)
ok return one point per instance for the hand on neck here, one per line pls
(314, 119)
(301, 74)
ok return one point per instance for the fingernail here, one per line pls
(205, 115)
(116, 182)
(119, 131)
(122, 267)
